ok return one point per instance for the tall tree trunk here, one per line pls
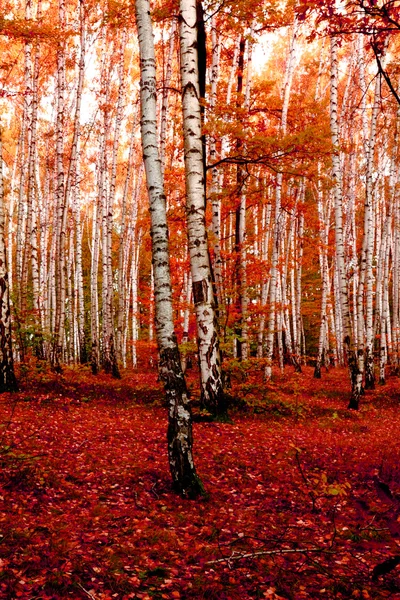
(214, 188)
(109, 312)
(348, 344)
(72, 190)
(8, 382)
(61, 226)
(122, 324)
(213, 397)
(184, 476)
(272, 320)
(366, 269)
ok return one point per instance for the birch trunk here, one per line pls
(241, 341)
(214, 189)
(269, 338)
(8, 382)
(343, 296)
(203, 295)
(324, 224)
(58, 333)
(122, 262)
(366, 270)
(110, 207)
(72, 191)
(265, 219)
(94, 298)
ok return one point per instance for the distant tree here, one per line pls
(8, 382)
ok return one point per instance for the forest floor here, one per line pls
(304, 495)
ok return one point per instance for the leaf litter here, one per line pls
(304, 502)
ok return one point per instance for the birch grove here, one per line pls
(279, 154)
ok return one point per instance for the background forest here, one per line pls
(300, 135)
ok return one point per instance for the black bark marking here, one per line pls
(199, 291)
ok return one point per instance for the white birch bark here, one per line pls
(8, 382)
(203, 295)
(72, 191)
(343, 296)
(366, 268)
(286, 88)
(122, 324)
(58, 334)
(215, 188)
(165, 94)
(266, 218)
(324, 224)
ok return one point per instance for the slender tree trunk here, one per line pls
(165, 94)
(8, 382)
(213, 397)
(265, 219)
(348, 345)
(272, 320)
(58, 335)
(109, 293)
(94, 297)
(214, 188)
(366, 269)
(72, 191)
(122, 262)
(324, 223)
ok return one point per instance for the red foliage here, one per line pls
(306, 489)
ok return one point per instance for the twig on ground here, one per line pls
(92, 596)
(238, 556)
(306, 480)
(153, 491)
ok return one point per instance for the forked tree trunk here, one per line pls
(213, 397)
(8, 382)
(185, 479)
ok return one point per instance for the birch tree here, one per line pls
(347, 339)
(184, 476)
(203, 295)
(274, 280)
(61, 208)
(8, 382)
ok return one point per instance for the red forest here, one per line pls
(199, 299)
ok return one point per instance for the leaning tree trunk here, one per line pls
(203, 295)
(8, 382)
(186, 481)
